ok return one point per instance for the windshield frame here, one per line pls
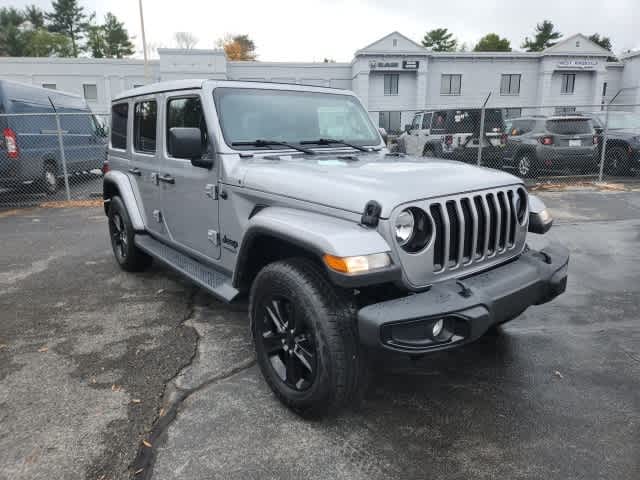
(378, 142)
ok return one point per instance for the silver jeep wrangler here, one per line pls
(286, 193)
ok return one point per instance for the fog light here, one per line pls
(437, 328)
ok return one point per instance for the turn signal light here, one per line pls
(357, 264)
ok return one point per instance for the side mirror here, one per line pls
(540, 219)
(407, 128)
(186, 142)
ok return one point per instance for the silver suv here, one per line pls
(286, 194)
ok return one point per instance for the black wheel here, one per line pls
(49, 179)
(128, 256)
(617, 161)
(428, 151)
(305, 338)
(526, 165)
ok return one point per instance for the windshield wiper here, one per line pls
(331, 141)
(270, 143)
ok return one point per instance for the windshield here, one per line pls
(570, 126)
(620, 120)
(287, 116)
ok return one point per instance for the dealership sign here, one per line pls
(578, 64)
(406, 65)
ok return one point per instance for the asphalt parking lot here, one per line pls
(108, 375)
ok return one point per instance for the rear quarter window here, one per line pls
(569, 126)
(119, 115)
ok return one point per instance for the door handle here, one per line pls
(167, 179)
(135, 171)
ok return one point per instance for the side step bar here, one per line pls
(215, 282)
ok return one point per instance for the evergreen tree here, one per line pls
(69, 19)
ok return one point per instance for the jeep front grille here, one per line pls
(473, 228)
(471, 232)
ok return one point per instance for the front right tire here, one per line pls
(305, 336)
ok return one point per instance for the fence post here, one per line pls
(603, 149)
(481, 133)
(63, 157)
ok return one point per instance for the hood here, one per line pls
(349, 182)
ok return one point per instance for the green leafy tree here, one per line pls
(12, 42)
(110, 40)
(40, 42)
(545, 37)
(439, 40)
(34, 15)
(604, 42)
(492, 42)
(69, 19)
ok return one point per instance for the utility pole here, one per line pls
(144, 45)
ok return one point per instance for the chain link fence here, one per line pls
(59, 155)
(539, 143)
(49, 156)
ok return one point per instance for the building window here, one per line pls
(90, 91)
(395, 42)
(564, 110)
(119, 114)
(50, 86)
(391, 83)
(138, 85)
(568, 82)
(390, 121)
(144, 126)
(512, 112)
(450, 84)
(510, 84)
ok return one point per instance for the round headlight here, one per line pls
(404, 227)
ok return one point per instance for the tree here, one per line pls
(439, 40)
(185, 40)
(545, 36)
(604, 42)
(69, 19)
(492, 42)
(110, 40)
(238, 47)
(12, 42)
(34, 15)
(40, 42)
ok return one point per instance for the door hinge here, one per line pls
(212, 191)
(214, 237)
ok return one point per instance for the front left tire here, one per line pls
(128, 255)
(305, 337)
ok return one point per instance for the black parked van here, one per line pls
(29, 146)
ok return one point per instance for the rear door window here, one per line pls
(119, 114)
(570, 126)
(145, 122)
(426, 121)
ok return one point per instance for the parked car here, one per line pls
(455, 134)
(538, 144)
(622, 154)
(30, 150)
(344, 249)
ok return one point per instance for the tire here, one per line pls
(525, 165)
(49, 179)
(428, 151)
(129, 257)
(317, 367)
(617, 161)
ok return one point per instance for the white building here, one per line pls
(393, 76)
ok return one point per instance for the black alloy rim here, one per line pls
(119, 235)
(288, 343)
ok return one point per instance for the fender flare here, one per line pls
(115, 181)
(313, 232)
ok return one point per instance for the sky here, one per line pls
(304, 30)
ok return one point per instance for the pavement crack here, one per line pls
(142, 466)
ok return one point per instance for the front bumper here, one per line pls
(468, 306)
